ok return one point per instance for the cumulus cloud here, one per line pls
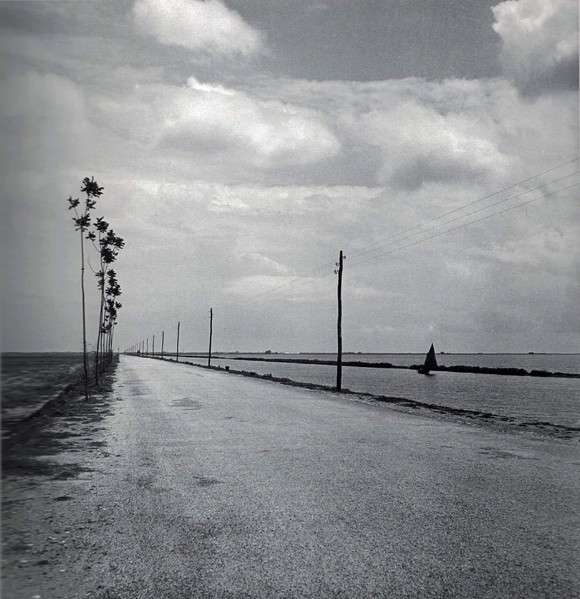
(213, 119)
(540, 43)
(429, 140)
(201, 26)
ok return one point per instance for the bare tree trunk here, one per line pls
(98, 356)
(85, 356)
(111, 344)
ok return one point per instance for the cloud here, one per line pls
(244, 186)
(413, 133)
(46, 138)
(263, 288)
(201, 26)
(216, 120)
(262, 264)
(43, 122)
(430, 136)
(422, 146)
(540, 43)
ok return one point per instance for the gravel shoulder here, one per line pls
(52, 460)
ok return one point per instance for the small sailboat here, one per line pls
(430, 362)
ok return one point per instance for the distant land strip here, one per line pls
(467, 369)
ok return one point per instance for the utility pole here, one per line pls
(147, 347)
(339, 324)
(177, 352)
(162, 342)
(153, 350)
(210, 335)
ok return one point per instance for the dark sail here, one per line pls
(430, 361)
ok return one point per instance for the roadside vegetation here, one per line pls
(107, 245)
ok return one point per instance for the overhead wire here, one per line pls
(441, 233)
(305, 278)
(491, 195)
(386, 243)
(297, 278)
(466, 224)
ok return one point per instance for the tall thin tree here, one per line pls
(82, 223)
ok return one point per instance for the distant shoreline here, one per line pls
(455, 368)
(199, 354)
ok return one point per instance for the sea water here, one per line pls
(31, 379)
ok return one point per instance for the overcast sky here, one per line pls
(242, 144)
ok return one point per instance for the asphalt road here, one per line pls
(224, 486)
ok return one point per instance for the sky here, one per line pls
(242, 144)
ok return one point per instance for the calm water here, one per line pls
(549, 362)
(526, 399)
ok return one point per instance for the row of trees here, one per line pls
(107, 244)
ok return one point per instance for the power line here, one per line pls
(464, 225)
(387, 243)
(297, 278)
(441, 233)
(491, 195)
(306, 277)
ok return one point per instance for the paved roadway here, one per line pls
(233, 487)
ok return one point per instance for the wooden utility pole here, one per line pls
(147, 347)
(339, 324)
(153, 349)
(177, 352)
(162, 342)
(210, 335)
